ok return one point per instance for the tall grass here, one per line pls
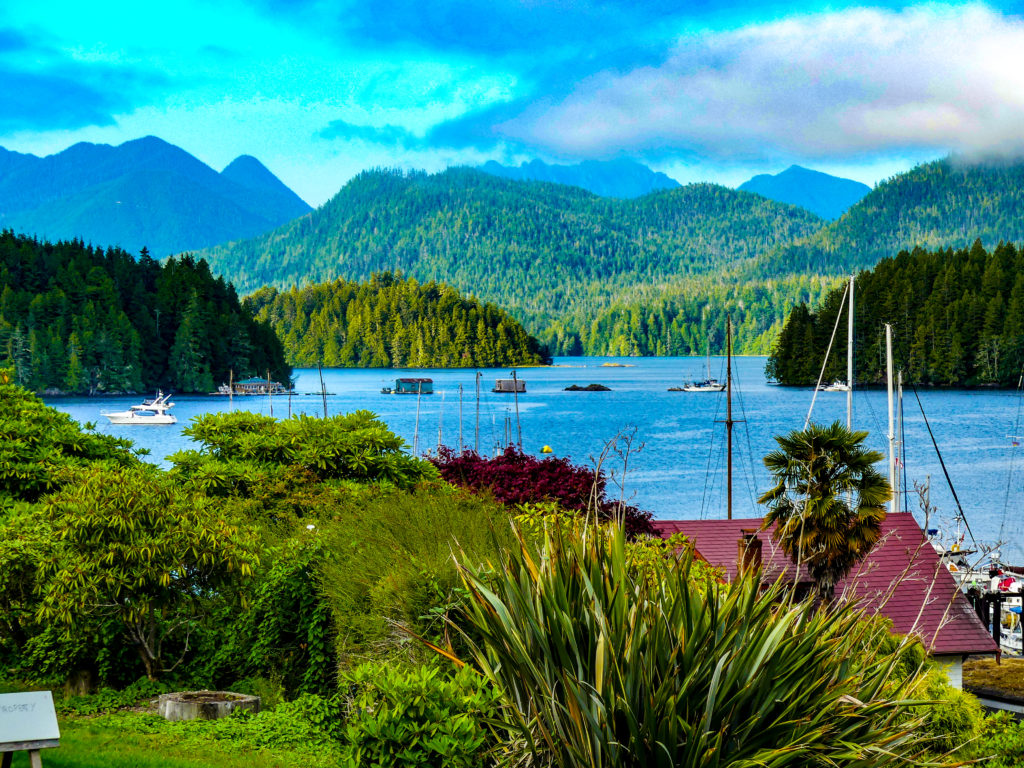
(602, 666)
(391, 566)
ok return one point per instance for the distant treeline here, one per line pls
(392, 322)
(84, 320)
(689, 320)
(957, 317)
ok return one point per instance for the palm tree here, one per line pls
(828, 501)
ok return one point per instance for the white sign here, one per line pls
(27, 717)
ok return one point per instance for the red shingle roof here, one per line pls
(902, 578)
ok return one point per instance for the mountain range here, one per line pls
(654, 274)
(828, 196)
(542, 251)
(621, 178)
(143, 193)
(600, 275)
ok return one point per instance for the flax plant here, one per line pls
(601, 665)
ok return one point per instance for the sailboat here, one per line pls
(839, 385)
(709, 384)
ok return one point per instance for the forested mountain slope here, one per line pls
(957, 317)
(944, 204)
(392, 322)
(541, 251)
(84, 320)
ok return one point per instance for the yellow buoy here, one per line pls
(546, 449)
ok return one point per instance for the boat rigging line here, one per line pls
(1014, 442)
(824, 364)
(942, 463)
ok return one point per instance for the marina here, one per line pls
(680, 471)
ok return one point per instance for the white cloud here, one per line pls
(851, 83)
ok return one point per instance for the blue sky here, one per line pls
(707, 90)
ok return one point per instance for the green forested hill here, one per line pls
(944, 204)
(601, 276)
(83, 320)
(544, 252)
(957, 317)
(391, 322)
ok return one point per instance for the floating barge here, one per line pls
(410, 386)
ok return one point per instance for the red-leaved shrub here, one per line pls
(518, 478)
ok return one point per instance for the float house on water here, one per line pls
(410, 386)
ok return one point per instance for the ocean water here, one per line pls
(676, 458)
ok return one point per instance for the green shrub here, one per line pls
(285, 632)
(310, 722)
(1001, 744)
(109, 700)
(400, 718)
(956, 717)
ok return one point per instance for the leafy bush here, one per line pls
(37, 441)
(1001, 744)
(310, 724)
(955, 718)
(136, 548)
(519, 478)
(418, 717)
(356, 446)
(285, 632)
(598, 665)
(110, 700)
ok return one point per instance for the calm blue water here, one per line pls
(677, 463)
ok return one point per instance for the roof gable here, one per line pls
(902, 578)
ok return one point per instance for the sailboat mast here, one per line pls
(728, 411)
(416, 429)
(460, 418)
(440, 422)
(892, 433)
(476, 444)
(898, 490)
(849, 362)
(515, 395)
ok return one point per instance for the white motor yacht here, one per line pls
(153, 411)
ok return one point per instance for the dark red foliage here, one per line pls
(518, 478)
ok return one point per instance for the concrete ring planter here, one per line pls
(204, 705)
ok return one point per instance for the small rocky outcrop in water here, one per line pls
(204, 705)
(588, 388)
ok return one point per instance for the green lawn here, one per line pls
(100, 743)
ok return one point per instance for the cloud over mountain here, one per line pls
(845, 83)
